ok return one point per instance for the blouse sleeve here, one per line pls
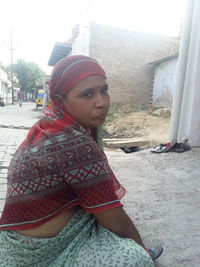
(91, 178)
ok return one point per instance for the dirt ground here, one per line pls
(128, 122)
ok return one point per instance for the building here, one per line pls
(5, 87)
(60, 51)
(124, 54)
(164, 80)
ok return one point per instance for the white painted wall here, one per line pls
(81, 45)
(164, 83)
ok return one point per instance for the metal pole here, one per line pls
(11, 65)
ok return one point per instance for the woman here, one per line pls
(63, 201)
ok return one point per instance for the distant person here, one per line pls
(20, 97)
(2, 104)
(63, 203)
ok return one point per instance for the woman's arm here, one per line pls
(117, 221)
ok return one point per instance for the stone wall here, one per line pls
(125, 54)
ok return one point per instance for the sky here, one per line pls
(36, 25)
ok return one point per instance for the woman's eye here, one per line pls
(87, 95)
(104, 90)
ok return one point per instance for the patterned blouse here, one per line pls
(54, 170)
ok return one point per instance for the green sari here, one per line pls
(82, 242)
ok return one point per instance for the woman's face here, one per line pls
(88, 101)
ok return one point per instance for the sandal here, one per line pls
(155, 253)
(163, 147)
(181, 147)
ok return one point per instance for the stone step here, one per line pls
(125, 142)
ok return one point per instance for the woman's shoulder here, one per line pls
(76, 132)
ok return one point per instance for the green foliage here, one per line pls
(112, 113)
(28, 73)
(144, 107)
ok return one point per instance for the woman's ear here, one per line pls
(58, 101)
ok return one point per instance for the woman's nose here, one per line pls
(99, 101)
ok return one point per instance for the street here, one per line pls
(14, 124)
(162, 190)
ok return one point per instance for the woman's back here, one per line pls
(52, 227)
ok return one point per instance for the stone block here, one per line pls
(162, 112)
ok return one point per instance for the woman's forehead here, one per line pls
(71, 71)
(93, 81)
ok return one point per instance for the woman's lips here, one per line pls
(100, 117)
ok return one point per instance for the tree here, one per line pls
(29, 74)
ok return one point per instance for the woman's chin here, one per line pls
(95, 124)
(99, 123)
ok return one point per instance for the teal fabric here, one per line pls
(81, 243)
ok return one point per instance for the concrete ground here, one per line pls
(162, 194)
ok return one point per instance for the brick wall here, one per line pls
(124, 54)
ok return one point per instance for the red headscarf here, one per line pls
(71, 70)
(66, 74)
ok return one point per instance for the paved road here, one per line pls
(163, 190)
(14, 124)
(163, 199)
(13, 115)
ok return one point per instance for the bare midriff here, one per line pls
(52, 227)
